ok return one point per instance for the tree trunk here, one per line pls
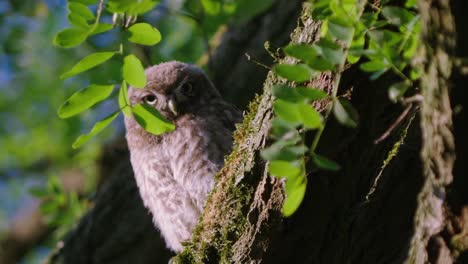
(375, 210)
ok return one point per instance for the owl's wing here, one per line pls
(231, 115)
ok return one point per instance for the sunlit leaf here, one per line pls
(284, 169)
(311, 93)
(87, 63)
(144, 34)
(397, 90)
(70, 37)
(151, 120)
(84, 99)
(80, 10)
(133, 71)
(411, 3)
(124, 103)
(294, 198)
(324, 163)
(78, 21)
(345, 113)
(287, 111)
(101, 28)
(98, 127)
(131, 7)
(310, 117)
(211, 7)
(86, 2)
(297, 73)
(415, 73)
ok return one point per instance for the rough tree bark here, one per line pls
(363, 214)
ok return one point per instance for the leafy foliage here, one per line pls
(132, 69)
(386, 36)
(60, 208)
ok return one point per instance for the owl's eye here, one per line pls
(150, 99)
(187, 89)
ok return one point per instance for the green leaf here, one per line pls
(49, 206)
(133, 71)
(330, 51)
(38, 192)
(87, 63)
(282, 150)
(303, 52)
(325, 163)
(345, 113)
(144, 34)
(84, 99)
(385, 38)
(80, 10)
(397, 90)
(86, 2)
(131, 7)
(211, 7)
(283, 169)
(415, 73)
(294, 198)
(321, 10)
(98, 127)
(312, 94)
(101, 28)
(286, 93)
(70, 37)
(373, 66)
(356, 49)
(151, 120)
(341, 32)
(411, 3)
(287, 111)
(396, 15)
(310, 117)
(281, 127)
(297, 73)
(78, 21)
(124, 102)
(309, 55)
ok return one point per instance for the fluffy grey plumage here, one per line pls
(175, 171)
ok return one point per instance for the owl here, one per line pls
(175, 171)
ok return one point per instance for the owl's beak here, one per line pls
(172, 104)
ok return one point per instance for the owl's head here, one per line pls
(174, 89)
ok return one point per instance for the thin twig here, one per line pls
(249, 58)
(394, 125)
(417, 98)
